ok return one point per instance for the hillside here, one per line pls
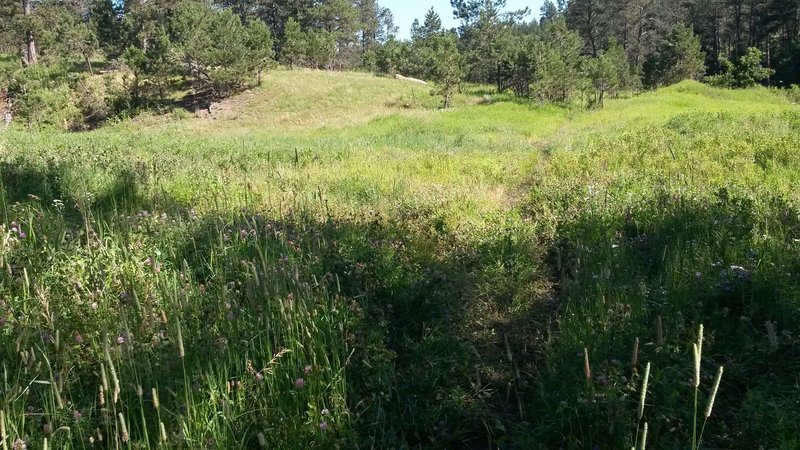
(332, 261)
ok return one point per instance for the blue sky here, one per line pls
(405, 11)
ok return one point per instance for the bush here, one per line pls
(42, 97)
(98, 99)
(794, 93)
(746, 72)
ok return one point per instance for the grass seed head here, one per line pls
(714, 389)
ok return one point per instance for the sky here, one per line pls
(405, 11)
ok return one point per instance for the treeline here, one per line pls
(594, 48)
(586, 49)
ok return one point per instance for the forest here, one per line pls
(188, 53)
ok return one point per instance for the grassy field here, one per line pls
(331, 262)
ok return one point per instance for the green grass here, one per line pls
(432, 276)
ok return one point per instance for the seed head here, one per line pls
(714, 392)
(643, 394)
(696, 350)
(587, 369)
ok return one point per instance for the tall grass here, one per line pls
(282, 277)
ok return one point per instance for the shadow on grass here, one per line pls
(64, 186)
(444, 332)
(725, 262)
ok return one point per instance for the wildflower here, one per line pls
(243, 234)
(323, 425)
(148, 261)
(298, 383)
(120, 339)
(22, 234)
(19, 444)
(324, 411)
(14, 229)
(259, 376)
(308, 369)
(78, 338)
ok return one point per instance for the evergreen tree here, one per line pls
(448, 66)
(105, 22)
(293, 48)
(680, 57)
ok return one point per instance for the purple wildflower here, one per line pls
(22, 234)
(323, 425)
(298, 383)
(120, 339)
(78, 338)
(19, 444)
(77, 415)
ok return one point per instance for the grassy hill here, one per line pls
(331, 261)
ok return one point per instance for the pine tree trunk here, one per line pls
(30, 43)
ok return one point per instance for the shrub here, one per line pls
(746, 72)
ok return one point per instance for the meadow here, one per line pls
(331, 261)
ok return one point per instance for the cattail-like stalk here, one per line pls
(635, 355)
(113, 371)
(163, 432)
(697, 349)
(181, 352)
(643, 394)
(103, 377)
(710, 405)
(44, 444)
(156, 403)
(700, 341)
(102, 397)
(714, 392)
(123, 428)
(643, 443)
(3, 429)
(659, 332)
(587, 369)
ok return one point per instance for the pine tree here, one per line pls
(293, 48)
(448, 70)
